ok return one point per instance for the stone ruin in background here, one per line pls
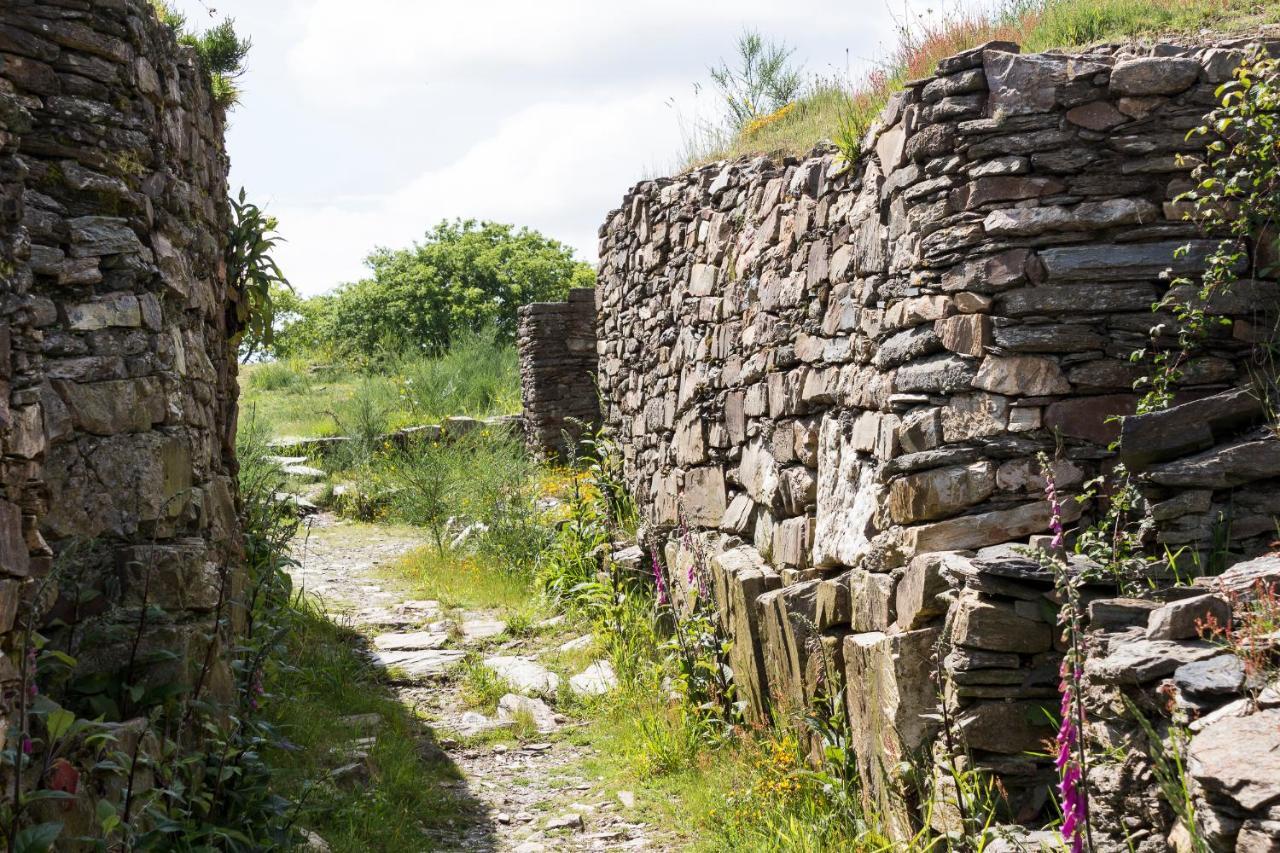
(118, 412)
(840, 378)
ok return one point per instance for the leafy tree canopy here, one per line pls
(464, 276)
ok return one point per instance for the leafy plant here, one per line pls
(1236, 197)
(253, 274)
(763, 81)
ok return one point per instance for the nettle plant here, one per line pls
(1237, 198)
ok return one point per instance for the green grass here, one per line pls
(294, 397)
(325, 681)
(842, 110)
(460, 580)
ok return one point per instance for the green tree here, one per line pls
(464, 276)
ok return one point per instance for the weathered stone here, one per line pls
(524, 674)
(596, 680)
(1153, 75)
(871, 600)
(107, 408)
(102, 235)
(1110, 614)
(987, 528)
(940, 492)
(1096, 115)
(1237, 760)
(1220, 676)
(974, 416)
(943, 374)
(1226, 466)
(1009, 728)
(1140, 661)
(918, 592)
(1086, 216)
(1091, 418)
(1076, 299)
(739, 577)
(513, 706)
(703, 499)
(1026, 375)
(1126, 261)
(1188, 618)
(889, 712)
(966, 334)
(1246, 580)
(1187, 428)
(116, 309)
(997, 627)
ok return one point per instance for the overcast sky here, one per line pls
(365, 123)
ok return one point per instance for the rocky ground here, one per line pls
(522, 764)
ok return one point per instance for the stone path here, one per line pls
(534, 795)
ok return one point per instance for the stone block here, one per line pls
(966, 334)
(120, 310)
(871, 600)
(1189, 618)
(990, 625)
(940, 492)
(108, 408)
(739, 577)
(703, 498)
(918, 596)
(982, 529)
(890, 702)
(1008, 728)
(1153, 75)
(1026, 375)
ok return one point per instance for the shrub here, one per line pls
(764, 81)
(464, 277)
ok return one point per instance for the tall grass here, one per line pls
(294, 397)
(841, 110)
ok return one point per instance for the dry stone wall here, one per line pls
(842, 375)
(557, 343)
(119, 410)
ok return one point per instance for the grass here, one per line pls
(460, 580)
(294, 397)
(410, 783)
(842, 110)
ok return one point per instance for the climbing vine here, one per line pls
(1236, 197)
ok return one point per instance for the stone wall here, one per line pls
(119, 424)
(842, 377)
(557, 342)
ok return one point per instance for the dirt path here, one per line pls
(533, 795)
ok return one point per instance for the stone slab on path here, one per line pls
(596, 680)
(482, 629)
(524, 674)
(425, 663)
(414, 641)
(513, 705)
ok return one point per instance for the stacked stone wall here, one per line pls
(557, 343)
(842, 377)
(120, 408)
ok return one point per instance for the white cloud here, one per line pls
(366, 123)
(555, 166)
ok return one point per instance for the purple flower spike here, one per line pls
(657, 578)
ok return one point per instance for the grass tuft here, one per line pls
(841, 111)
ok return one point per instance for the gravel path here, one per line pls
(531, 796)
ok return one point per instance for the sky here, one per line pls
(364, 123)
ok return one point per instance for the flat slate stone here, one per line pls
(1139, 661)
(524, 674)
(482, 629)
(1220, 676)
(416, 641)
(419, 664)
(596, 680)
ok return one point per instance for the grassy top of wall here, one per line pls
(841, 111)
